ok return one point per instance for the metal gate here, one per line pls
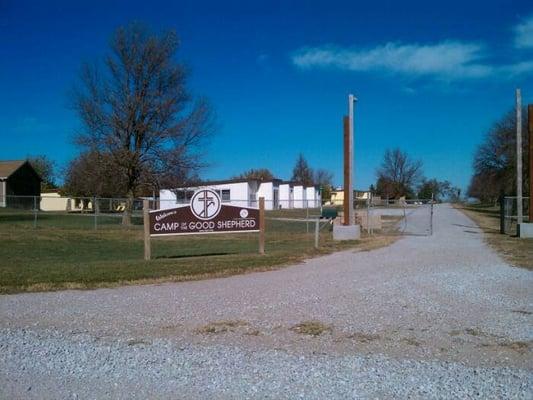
(400, 217)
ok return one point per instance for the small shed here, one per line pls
(19, 184)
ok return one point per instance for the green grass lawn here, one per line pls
(65, 251)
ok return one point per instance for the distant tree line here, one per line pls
(399, 175)
(495, 160)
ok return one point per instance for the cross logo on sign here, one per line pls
(205, 204)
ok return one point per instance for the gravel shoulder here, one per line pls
(427, 317)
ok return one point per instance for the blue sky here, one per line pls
(430, 77)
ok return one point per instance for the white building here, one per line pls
(313, 197)
(286, 195)
(299, 196)
(246, 192)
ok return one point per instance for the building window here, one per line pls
(184, 196)
(225, 195)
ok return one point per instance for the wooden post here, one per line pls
(502, 212)
(519, 201)
(530, 129)
(347, 211)
(95, 211)
(35, 211)
(146, 223)
(317, 227)
(261, 225)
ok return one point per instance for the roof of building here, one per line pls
(8, 167)
(228, 181)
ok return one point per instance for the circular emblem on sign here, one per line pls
(244, 213)
(205, 204)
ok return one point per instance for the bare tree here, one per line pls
(137, 110)
(324, 179)
(495, 160)
(45, 167)
(398, 174)
(439, 190)
(302, 172)
(94, 174)
(262, 174)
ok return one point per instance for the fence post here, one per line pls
(34, 211)
(431, 217)
(146, 223)
(502, 213)
(306, 216)
(317, 227)
(261, 225)
(95, 210)
(368, 215)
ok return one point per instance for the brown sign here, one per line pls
(204, 214)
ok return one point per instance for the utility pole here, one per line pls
(348, 170)
(348, 230)
(519, 209)
(530, 129)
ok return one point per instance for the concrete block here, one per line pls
(346, 232)
(525, 230)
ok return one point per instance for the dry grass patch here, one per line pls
(221, 327)
(363, 337)
(136, 342)
(474, 332)
(516, 251)
(518, 346)
(311, 328)
(411, 342)
(369, 243)
(523, 312)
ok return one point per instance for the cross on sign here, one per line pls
(205, 204)
(208, 201)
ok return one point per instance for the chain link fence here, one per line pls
(292, 219)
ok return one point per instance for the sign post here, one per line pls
(146, 220)
(261, 225)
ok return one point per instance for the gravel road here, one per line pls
(427, 317)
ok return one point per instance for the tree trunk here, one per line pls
(126, 216)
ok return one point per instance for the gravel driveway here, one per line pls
(427, 317)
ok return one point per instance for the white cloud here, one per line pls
(445, 61)
(524, 33)
(519, 68)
